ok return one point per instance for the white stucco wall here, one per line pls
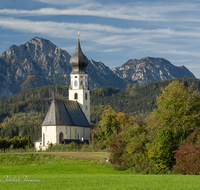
(50, 134)
(38, 145)
(84, 104)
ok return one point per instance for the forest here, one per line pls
(23, 113)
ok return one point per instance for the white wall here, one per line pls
(50, 134)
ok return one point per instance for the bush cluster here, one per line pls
(91, 147)
(15, 143)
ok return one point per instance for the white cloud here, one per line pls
(105, 38)
(64, 2)
(131, 11)
(102, 34)
(176, 52)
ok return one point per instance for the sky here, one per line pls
(111, 31)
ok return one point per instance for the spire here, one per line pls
(78, 61)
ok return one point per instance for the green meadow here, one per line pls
(44, 171)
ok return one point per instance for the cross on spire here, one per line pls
(78, 34)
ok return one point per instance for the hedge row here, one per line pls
(15, 143)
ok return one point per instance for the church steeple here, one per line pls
(78, 61)
(79, 89)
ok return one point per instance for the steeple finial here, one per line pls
(78, 61)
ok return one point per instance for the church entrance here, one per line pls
(60, 137)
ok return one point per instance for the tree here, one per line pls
(135, 85)
(110, 125)
(29, 141)
(122, 119)
(128, 86)
(129, 147)
(4, 144)
(175, 118)
(188, 155)
(188, 159)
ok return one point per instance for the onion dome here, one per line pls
(78, 61)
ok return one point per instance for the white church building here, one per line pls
(69, 120)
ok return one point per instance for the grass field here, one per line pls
(61, 172)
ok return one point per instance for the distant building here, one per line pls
(38, 144)
(69, 120)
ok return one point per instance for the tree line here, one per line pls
(33, 104)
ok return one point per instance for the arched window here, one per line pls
(81, 83)
(60, 137)
(43, 139)
(86, 96)
(75, 83)
(76, 96)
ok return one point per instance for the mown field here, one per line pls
(62, 172)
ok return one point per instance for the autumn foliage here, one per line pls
(188, 159)
(168, 140)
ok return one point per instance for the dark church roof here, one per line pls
(65, 112)
(78, 61)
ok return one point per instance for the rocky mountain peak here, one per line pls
(39, 62)
(149, 69)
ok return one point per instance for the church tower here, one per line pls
(79, 89)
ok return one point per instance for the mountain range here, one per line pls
(39, 62)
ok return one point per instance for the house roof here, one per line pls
(65, 112)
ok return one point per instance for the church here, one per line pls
(69, 120)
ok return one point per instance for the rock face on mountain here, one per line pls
(150, 69)
(39, 62)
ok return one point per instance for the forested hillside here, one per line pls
(22, 114)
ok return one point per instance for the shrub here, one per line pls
(188, 155)
(188, 159)
(128, 149)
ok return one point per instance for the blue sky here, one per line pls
(110, 31)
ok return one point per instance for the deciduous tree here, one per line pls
(175, 118)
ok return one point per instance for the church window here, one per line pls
(60, 137)
(75, 83)
(86, 96)
(75, 96)
(81, 83)
(75, 77)
(66, 130)
(43, 139)
(86, 107)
